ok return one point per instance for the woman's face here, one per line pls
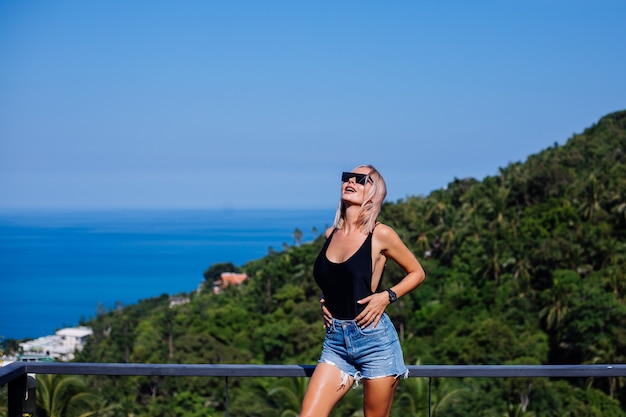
(354, 191)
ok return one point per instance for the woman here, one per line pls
(361, 343)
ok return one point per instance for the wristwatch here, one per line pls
(392, 296)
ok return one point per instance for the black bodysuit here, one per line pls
(343, 284)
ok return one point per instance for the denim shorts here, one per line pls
(364, 353)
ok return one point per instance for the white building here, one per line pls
(178, 301)
(61, 346)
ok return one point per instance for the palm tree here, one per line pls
(411, 394)
(64, 396)
(606, 352)
(554, 314)
(297, 236)
(287, 395)
(518, 410)
(591, 195)
(102, 408)
(412, 398)
(564, 284)
(284, 396)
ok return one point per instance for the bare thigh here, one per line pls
(378, 396)
(324, 391)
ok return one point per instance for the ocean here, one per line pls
(58, 267)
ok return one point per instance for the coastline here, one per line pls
(63, 265)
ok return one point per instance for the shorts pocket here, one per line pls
(384, 329)
(379, 331)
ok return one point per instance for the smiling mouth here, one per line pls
(350, 190)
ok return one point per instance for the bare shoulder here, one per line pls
(329, 231)
(385, 234)
(390, 244)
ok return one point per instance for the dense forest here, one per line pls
(524, 267)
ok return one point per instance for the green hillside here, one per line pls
(524, 267)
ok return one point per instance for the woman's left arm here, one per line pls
(392, 247)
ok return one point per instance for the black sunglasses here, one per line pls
(359, 178)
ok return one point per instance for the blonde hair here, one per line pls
(373, 202)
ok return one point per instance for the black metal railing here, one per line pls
(16, 374)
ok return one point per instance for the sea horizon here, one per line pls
(60, 266)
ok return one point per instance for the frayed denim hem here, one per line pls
(344, 375)
(405, 375)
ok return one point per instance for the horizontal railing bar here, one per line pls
(169, 369)
(517, 371)
(16, 369)
(11, 371)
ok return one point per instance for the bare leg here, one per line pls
(324, 391)
(378, 396)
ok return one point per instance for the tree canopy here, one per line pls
(531, 263)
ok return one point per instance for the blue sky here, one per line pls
(208, 104)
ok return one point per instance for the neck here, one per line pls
(350, 221)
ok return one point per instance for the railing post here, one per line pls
(226, 379)
(22, 396)
(430, 394)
